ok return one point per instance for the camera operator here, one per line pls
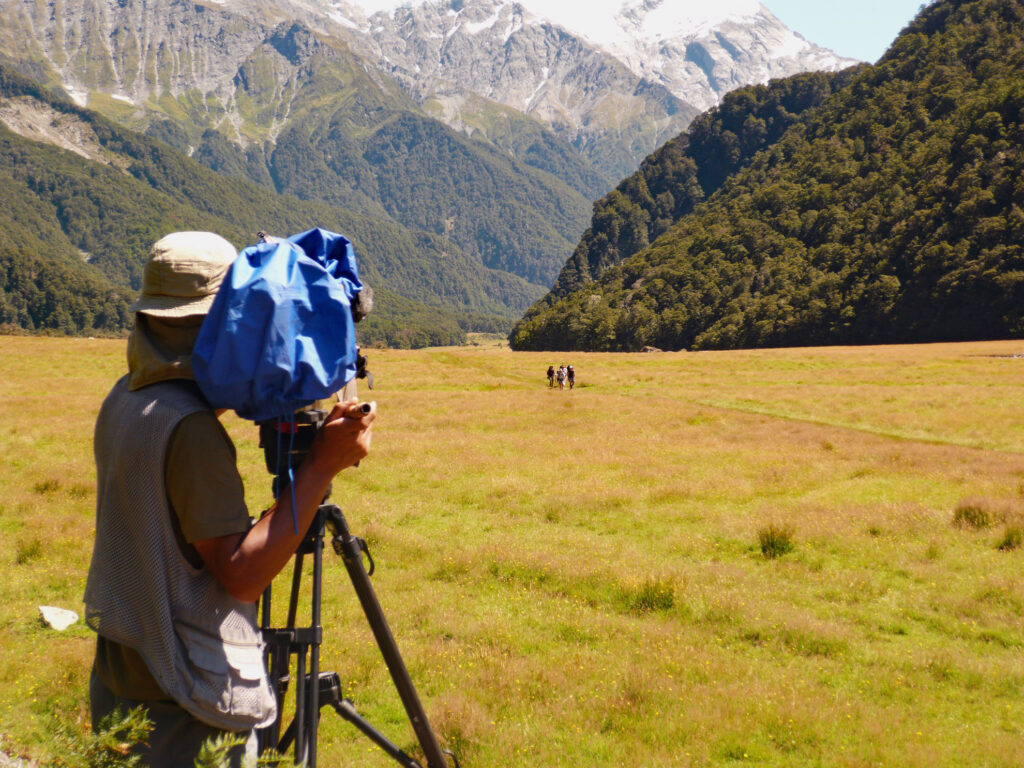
(177, 564)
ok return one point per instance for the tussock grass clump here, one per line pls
(1012, 539)
(462, 724)
(980, 513)
(977, 514)
(775, 540)
(28, 551)
(651, 595)
(46, 486)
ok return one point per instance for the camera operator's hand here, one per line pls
(344, 439)
(245, 563)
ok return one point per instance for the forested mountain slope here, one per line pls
(87, 217)
(689, 169)
(891, 212)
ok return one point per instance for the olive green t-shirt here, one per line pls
(207, 498)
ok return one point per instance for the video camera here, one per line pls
(285, 442)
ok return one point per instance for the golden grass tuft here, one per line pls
(775, 540)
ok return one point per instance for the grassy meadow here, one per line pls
(802, 557)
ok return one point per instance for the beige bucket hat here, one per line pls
(183, 273)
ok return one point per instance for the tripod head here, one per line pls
(285, 442)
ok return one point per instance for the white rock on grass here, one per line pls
(58, 618)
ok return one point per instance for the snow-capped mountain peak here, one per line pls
(606, 22)
(695, 49)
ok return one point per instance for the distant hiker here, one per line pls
(560, 375)
(570, 373)
(551, 375)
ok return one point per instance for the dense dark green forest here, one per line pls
(687, 170)
(93, 223)
(891, 212)
(38, 294)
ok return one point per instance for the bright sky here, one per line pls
(860, 30)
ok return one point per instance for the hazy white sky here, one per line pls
(861, 30)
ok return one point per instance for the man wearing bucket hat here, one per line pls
(177, 564)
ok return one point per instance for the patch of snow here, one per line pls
(544, 81)
(488, 23)
(80, 97)
(513, 27)
(119, 97)
(671, 18)
(342, 20)
(790, 45)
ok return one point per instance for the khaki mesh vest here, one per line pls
(201, 644)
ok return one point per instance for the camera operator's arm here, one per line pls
(245, 563)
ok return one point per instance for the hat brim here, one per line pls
(173, 306)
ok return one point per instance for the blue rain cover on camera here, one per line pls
(280, 332)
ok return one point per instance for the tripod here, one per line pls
(315, 689)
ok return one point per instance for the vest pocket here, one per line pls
(226, 679)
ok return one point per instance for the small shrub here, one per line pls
(775, 540)
(216, 750)
(108, 747)
(1012, 539)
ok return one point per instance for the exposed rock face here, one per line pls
(482, 66)
(502, 54)
(134, 50)
(40, 122)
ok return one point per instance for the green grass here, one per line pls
(576, 578)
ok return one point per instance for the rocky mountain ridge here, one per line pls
(610, 86)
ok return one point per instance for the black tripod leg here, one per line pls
(348, 711)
